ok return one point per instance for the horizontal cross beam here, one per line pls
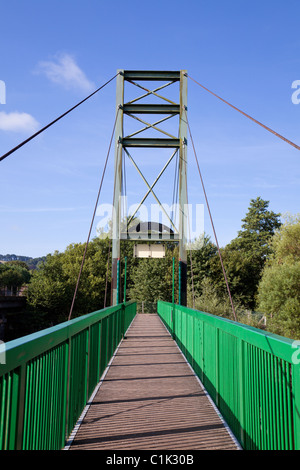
(151, 108)
(151, 75)
(144, 236)
(158, 143)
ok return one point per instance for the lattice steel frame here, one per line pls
(179, 143)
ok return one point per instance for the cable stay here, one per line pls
(202, 182)
(247, 115)
(211, 220)
(7, 154)
(93, 217)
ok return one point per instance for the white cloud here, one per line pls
(17, 122)
(41, 209)
(65, 71)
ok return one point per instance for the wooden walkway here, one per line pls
(150, 399)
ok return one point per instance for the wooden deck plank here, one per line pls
(150, 399)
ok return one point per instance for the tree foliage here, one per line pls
(14, 274)
(53, 285)
(257, 231)
(264, 253)
(152, 278)
(279, 289)
(245, 256)
(200, 257)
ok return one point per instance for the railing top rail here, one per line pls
(279, 346)
(23, 349)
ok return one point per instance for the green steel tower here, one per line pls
(164, 109)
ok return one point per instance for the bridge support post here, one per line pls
(133, 109)
(125, 280)
(173, 298)
(116, 222)
(183, 199)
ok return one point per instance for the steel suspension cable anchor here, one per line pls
(93, 217)
(211, 220)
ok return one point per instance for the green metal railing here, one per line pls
(252, 376)
(48, 377)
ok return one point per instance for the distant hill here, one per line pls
(31, 262)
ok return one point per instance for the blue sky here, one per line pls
(54, 53)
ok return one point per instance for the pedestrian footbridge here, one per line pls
(180, 379)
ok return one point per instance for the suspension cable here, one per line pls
(176, 185)
(247, 115)
(93, 217)
(174, 190)
(211, 219)
(55, 120)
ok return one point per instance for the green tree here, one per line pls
(199, 262)
(14, 275)
(257, 231)
(245, 256)
(19, 263)
(152, 278)
(211, 301)
(279, 288)
(52, 286)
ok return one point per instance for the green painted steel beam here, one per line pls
(151, 75)
(125, 279)
(151, 108)
(118, 282)
(183, 196)
(145, 236)
(117, 184)
(148, 143)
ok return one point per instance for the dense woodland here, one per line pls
(262, 265)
